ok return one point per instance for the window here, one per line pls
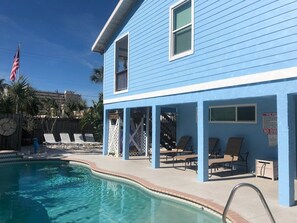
(121, 64)
(181, 29)
(223, 114)
(246, 114)
(233, 114)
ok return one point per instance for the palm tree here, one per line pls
(97, 75)
(5, 101)
(2, 85)
(72, 105)
(94, 117)
(32, 105)
(50, 107)
(23, 96)
(6, 104)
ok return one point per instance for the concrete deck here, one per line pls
(213, 193)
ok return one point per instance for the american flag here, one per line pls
(15, 65)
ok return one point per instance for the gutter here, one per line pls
(113, 23)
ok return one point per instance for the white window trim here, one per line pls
(171, 44)
(115, 60)
(236, 106)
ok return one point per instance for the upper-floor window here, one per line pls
(233, 114)
(181, 29)
(121, 64)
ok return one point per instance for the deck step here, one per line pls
(9, 155)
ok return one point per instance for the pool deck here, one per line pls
(246, 205)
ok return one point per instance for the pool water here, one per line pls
(60, 192)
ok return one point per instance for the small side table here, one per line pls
(267, 168)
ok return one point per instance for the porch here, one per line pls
(264, 139)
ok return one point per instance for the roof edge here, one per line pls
(112, 24)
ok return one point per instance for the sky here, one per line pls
(55, 39)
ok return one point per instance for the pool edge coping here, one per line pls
(232, 216)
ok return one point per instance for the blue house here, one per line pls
(224, 68)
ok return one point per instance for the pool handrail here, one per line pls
(258, 192)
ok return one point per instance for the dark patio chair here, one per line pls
(181, 148)
(231, 156)
(189, 158)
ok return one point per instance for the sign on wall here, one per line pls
(270, 127)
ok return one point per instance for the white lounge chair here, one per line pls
(78, 138)
(50, 140)
(90, 139)
(66, 141)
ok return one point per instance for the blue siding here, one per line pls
(232, 38)
(187, 122)
(256, 142)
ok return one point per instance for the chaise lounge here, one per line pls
(231, 156)
(181, 148)
(66, 141)
(189, 158)
(50, 140)
(91, 140)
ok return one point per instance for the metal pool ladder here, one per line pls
(258, 192)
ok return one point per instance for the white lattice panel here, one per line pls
(138, 141)
(113, 138)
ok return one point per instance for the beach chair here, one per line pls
(231, 155)
(79, 139)
(50, 141)
(181, 148)
(213, 149)
(189, 158)
(66, 141)
(91, 140)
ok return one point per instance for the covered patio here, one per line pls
(193, 118)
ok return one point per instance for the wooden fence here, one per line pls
(21, 137)
(11, 131)
(62, 125)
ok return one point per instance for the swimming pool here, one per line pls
(62, 192)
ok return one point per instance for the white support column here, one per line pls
(141, 134)
(156, 112)
(286, 148)
(126, 133)
(147, 129)
(202, 127)
(105, 133)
